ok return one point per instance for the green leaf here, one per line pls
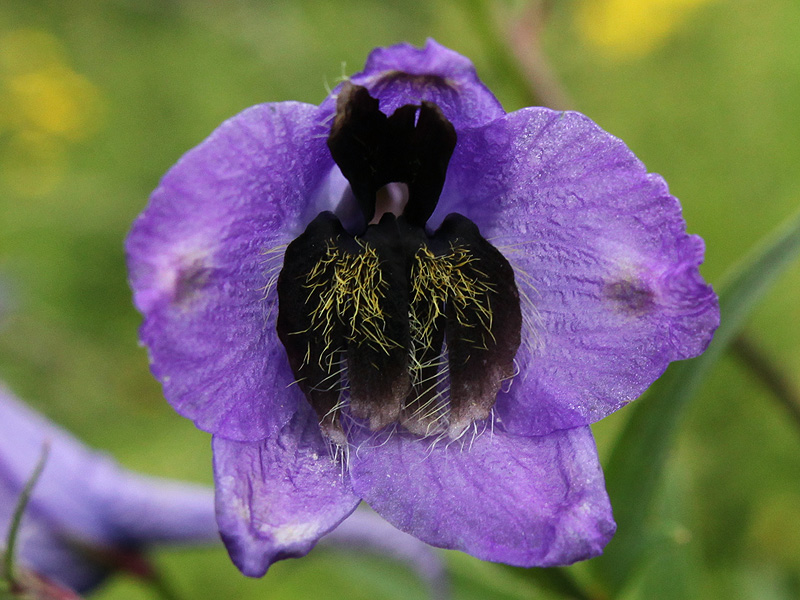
(671, 567)
(635, 469)
(473, 579)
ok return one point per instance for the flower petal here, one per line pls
(526, 501)
(608, 276)
(277, 497)
(143, 509)
(63, 494)
(84, 501)
(42, 549)
(202, 259)
(403, 74)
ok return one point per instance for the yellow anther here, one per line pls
(437, 281)
(349, 289)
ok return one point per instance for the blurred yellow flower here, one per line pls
(632, 28)
(57, 101)
(43, 104)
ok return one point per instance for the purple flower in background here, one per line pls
(87, 516)
(407, 296)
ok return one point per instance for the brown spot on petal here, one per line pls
(631, 296)
(190, 280)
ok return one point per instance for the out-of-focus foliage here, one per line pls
(99, 97)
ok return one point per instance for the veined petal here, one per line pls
(203, 257)
(525, 501)
(277, 497)
(608, 277)
(404, 74)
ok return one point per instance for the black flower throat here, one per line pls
(396, 324)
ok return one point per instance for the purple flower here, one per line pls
(407, 296)
(87, 516)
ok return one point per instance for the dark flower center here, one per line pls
(397, 324)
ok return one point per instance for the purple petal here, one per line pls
(277, 497)
(41, 548)
(526, 501)
(202, 259)
(70, 474)
(609, 277)
(403, 74)
(144, 509)
(84, 499)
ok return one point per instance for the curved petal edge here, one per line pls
(525, 501)
(277, 497)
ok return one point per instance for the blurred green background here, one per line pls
(99, 97)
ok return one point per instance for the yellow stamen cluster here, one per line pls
(347, 292)
(437, 280)
(349, 289)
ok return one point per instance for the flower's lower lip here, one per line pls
(398, 325)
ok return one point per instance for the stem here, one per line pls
(517, 54)
(775, 381)
(525, 44)
(556, 580)
(504, 65)
(160, 586)
(19, 510)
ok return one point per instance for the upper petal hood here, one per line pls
(403, 74)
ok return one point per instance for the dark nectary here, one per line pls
(396, 323)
